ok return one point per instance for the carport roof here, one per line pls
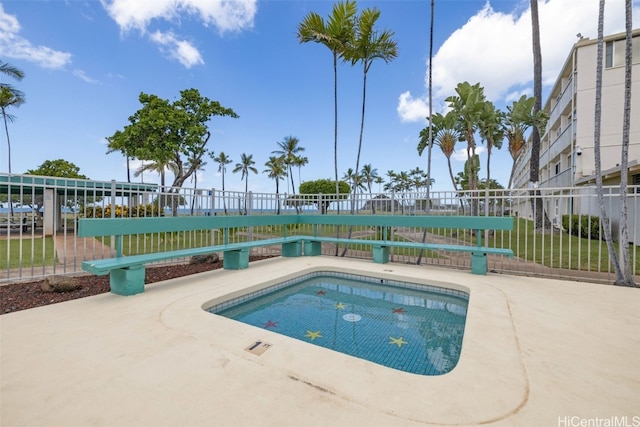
(32, 184)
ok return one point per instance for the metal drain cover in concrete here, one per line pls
(258, 347)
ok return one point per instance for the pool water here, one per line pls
(409, 327)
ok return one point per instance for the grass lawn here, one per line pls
(27, 252)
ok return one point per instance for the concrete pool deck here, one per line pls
(535, 352)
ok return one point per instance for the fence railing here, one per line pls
(558, 231)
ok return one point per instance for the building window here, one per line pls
(557, 168)
(635, 180)
(614, 52)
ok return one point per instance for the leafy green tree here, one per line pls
(9, 97)
(323, 194)
(289, 149)
(245, 166)
(222, 160)
(58, 168)
(379, 180)
(276, 170)
(163, 132)
(367, 45)
(334, 34)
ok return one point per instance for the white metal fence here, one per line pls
(37, 229)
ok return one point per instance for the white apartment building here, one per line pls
(567, 146)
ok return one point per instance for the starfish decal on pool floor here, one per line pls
(313, 335)
(398, 341)
(271, 324)
(398, 310)
(340, 306)
(321, 293)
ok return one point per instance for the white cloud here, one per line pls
(411, 109)
(12, 45)
(461, 153)
(180, 50)
(225, 15)
(83, 76)
(494, 48)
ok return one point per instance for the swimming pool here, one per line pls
(409, 327)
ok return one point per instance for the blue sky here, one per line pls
(87, 61)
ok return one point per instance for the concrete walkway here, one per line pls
(535, 353)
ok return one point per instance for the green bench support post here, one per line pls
(381, 254)
(312, 248)
(479, 263)
(236, 259)
(127, 281)
(292, 249)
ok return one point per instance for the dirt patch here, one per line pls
(22, 296)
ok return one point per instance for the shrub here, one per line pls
(149, 210)
(584, 226)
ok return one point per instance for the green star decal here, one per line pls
(313, 335)
(340, 306)
(398, 341)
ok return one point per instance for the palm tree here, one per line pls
(222, 160)
(289, 150)
(468, 105)
(430, 118)
(10, 97)
(541, 220)
(160, 168)
(13, 72)
(276, 170)
(369, 175)
(379, 180)
(519, 118)
(624, 162)
(300, 161)
(198, 165)
(492, 131)
(445, 135)
(245, 166)
(625, 277)
(334, 34)
(367, 46)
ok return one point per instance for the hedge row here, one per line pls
(582, 225)
(150, 210)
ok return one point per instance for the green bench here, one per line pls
(127, 272)
(380, 248)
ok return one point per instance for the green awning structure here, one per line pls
(32, 184)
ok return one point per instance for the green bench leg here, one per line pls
(236, 260)
(479, 263)
(292, 249)
(127, 281)
(381, 254)
(312, 248)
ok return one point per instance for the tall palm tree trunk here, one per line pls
(6, 129)
(335, 134)
(427, 196)
(624, 162)
(604, 219)
(541, 220)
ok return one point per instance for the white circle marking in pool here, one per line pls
(352, 317)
